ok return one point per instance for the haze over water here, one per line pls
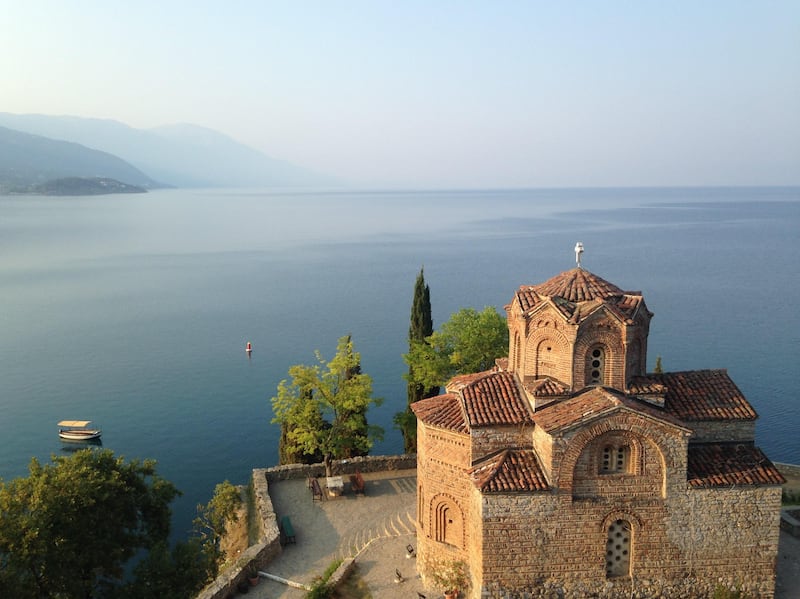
(134, 311)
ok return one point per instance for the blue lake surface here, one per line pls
(134, 310)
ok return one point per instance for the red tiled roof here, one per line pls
(511, 470)
(581, 407)
(645, 385)
(590, 404)
(494, 398)
(458, 382)
(578, 285)
(547, 387)
(699, 395)
(577, 293)
(443, 411)
(717, 465)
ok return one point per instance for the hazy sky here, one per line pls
(435, 93)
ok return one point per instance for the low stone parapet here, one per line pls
(340, 467)
(256, 556)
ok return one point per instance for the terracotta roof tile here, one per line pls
(699, 395)
(578, 285)
(576, 409)
(547, 387)
(443, 411)
(577, 293)
(646, 385)
(494, 398)
(458, 382)
(511, 470)
(590, 404)
(716, 465)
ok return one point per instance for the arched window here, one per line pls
(546, 359)
(619, 546)
(616, 459)
(448, 525)
(595, 366)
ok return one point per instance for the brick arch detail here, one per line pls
(610, 339)
(621, 423)
(538, 339)
(515, 352)
(637, 524)
(634, 441)
(436, 529)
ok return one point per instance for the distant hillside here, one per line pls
(27, 160)
(84, 186)
(180, 155)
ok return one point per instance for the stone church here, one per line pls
(569, 471)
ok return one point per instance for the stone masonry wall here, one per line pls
(729, 533)
(544, 545)
(490, 439)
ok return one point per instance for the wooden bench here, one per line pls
(287, 531)
(357, 483)
(316, 490)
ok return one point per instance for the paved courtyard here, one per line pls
(375, 527)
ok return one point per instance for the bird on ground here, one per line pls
(397, 576)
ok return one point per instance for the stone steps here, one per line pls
(396, 525)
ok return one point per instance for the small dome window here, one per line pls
(595, 366)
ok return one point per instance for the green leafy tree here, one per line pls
(69, 528)
(420, 328)
(213, 518)
(186, 568)
(324, 407)
(180, 572)
(290, 454)
(469, 342)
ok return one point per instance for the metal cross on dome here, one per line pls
(578, 252)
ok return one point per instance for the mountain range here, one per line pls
(34, 148)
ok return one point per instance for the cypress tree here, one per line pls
(421, 327)
(421, 320)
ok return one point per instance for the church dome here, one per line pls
(578, 285)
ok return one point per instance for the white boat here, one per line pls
(78, 430)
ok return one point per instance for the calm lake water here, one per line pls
(134, 310)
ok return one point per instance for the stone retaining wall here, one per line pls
(343, 467)
(788, 469)
(258, 555)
